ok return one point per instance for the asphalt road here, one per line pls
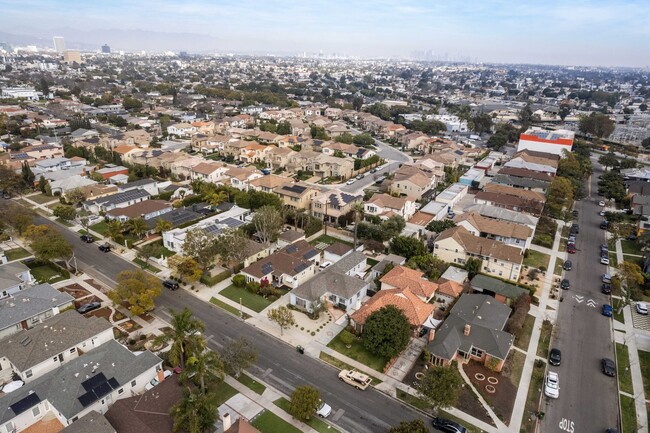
(278, 364)
(588, 399)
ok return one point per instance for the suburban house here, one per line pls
(448, 291)
(152, 186)
(508, 201)
(411, 182)
(401, 277)
(14, 277)
(146, 210)
(534, 161)
(333, 204)
(498, 213)
(384, 206)
(457, 245)
(325, 166)
(296, 195)
(182, 129)
(211, 172)
(31, 353)
(473, 330)
(121, 199)
(31, 306)
(281, 269)
(269, 182)
(241, 178)
(110, 170)
(90, 382)
(512, 234)
(335, 252)
(503, 292)
(93, 421)
(341, 285)
(288, 237)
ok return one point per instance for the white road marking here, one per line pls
(591, 303)
(578, 298)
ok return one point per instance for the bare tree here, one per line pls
(268, 222)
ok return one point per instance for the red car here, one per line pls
(571, 249)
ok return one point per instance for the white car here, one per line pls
(604, 260)
(151, 384)
(350, 182)
(601, 213)
(552, 385)
(642, 308)
(601, 203)
(324, 410)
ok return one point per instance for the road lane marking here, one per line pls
(337, 416)
(591, 303)
(578, 298)
(266, 373)
(567, 425)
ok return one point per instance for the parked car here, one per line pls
(604, 225)
(601, 203)
(608, 367)
(574, 213)
(571, 248)
(604, 260)
(552, 385)
(565, 284)
(171, 285)
(572, 239)
(323, 410)
(350, 182)
(601, 213)
(89, 307)
(105, 248)
(607, 310)
(87, 238)
(447, 425)
(151, 384)
(642, 308)
(374, 170)
(355, 378)
(567, 266)
(555, 357)
(606, 278)
(606, 288)
(604, 249)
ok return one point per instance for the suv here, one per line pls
(171, 285)
(447, 426)
(323, 410)
(565, 284)
(555, 357)
(355, 378)
(642, 308)
(104, 248)
(567, 265)
(606, 288)
(575, 229)
(89, 239)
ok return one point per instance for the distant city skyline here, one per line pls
(580, 32)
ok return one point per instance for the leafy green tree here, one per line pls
(386, 332)
(238, 355)
(137, 288)
(28, 174)
(440, 226)
(195, 412)
(114, 230)
(42, 184)
(206, 366)
(282, 316)
(346, 138)
(559, 196)
(440, 386)
(75, 196)
(363, 140)
(137, 226)
(51, 246)
(392, 226)
(357, 103)
(646, 142)
(565, 110)
(185, 337)
(304, 402)
(473, 266)
(9, 179)
(131, 103)
(596, 124)
(346, 338)
(608, 160)
(185, 267)
(284, 128)
(525, 117)
(148, 251)
(232, 247)
(267, 222)
(415, 426)
(407, 246)
(18, 217)
(163, 225)
(432, 266)
(612, 185)
(318, 133)
(497, 141)
(65, 212)
(481, 123)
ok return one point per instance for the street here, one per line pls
(278, 364)
(588, 399)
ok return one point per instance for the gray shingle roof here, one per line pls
(483, 282)
(347, 263)
(46, 340)
(64, 386)
(93, 422)
(9, 274)
(31, 302)
(329, 281)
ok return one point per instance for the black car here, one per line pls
(89, 239)
(604, 225)
(89, 307)
(567, 265)
(606, 288)
(447, 426)
(575, 214)
(565, 284)
(575, 228)
(608, 367)
(105, 248)
(171, 285)
(555, 357)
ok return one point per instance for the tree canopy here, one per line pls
(386, 332)
(304, 402)
(136, 288)
(440, 386)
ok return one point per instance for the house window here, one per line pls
(73, 350)
(55, 359)
(35, 319)
(301, 303)
(36, 411)
(133, 383)
(120, 391)
(477, 352)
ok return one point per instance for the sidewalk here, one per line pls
(630, 340)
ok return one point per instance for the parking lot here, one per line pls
(640, 321)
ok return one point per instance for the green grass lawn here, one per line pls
(618, 316)
(628, 413)
(46, 274)
(522, 339)
(164, 251)
(414, 401)
(248, 299)
(315, 422)
(558, 267)
(344, 366)
(624, 373)
(358, 353)
(17, 254)
(613, 260)
(544, 339)
(64, 222)
(42, 198)
(100, 227)
(536, 259)
(229, 308)
(144, 265)
(251, 383)
(644, 361)
(372, 262)
(325, 239)
(631, 247)
(223, 392)
(268, 422)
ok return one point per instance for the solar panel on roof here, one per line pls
(292, 249)
(232, 222)
(295, 188)
(334, 200)
(114, 383)
(301, 267)
(347, 198)
(87, 399)
(102, 390)
(89, 384)
(26, 403)
(267, 268)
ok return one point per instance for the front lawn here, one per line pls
(145, 265)
(42, 198)
(644, 361)
(559, 263)
(227, 307)
(248, 299)
(522, 338)
(359, 353)
(535, 259)
(47, 273)
(251, 383)
(628, 413)
(16, 254)
(631, 247)
(268, 422)
(624, 373)
(100, 227)
(223, 392)
(613, 260)
(314, 422)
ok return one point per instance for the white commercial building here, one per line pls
(541, 140)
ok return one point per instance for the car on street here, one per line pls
(575, 229)
(607, 310)
(607, 278)
(604, 225)
(323, 410)
(604, 249)
(374, 170)
(355, 378)
(642, 308)
(350, 182)
(601, 213)
(565, 284)
(89, 307)
(572, 239)
(104, 248)
(171, 285)
(555, 357)
(606, 288)
(552, 385)
(6, 195)
(571, 248)
(574, 213)
(447, 425)
(604, 260)
(567, 266)
(608, 367)
(89, 239)
(601, 203)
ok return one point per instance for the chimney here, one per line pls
(468, 327)
(227, 422)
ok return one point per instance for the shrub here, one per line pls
(131, 341)
(253, 287)
(542, 268)
(239, 280)
(143, 337)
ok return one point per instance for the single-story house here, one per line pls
(14, 277)
(503, 292)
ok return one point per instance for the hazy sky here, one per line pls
(574, 32)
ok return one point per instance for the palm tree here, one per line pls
(358, 210)
(216, 198)
(185, 337)
(195, 412)
(163, 226)
(137, 226)
(205, 366)
(114, 230)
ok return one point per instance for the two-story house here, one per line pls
(121, 199)
(384, 206)
(182, 129)
(296, 195)
(412, 182)
(516, 235)
(211, 172)
(333, 204)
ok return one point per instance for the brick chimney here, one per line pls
(468, 327)
(227, 422)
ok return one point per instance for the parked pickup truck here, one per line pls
(354, 378)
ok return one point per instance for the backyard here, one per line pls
(329, 240)
(545, 232)
(358, 353)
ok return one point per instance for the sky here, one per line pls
(558, 32)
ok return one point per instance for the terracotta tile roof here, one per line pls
(124, 149)
(482, 247)
(450, 288)
(495, 227)
(416, 311)
(407, 278)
